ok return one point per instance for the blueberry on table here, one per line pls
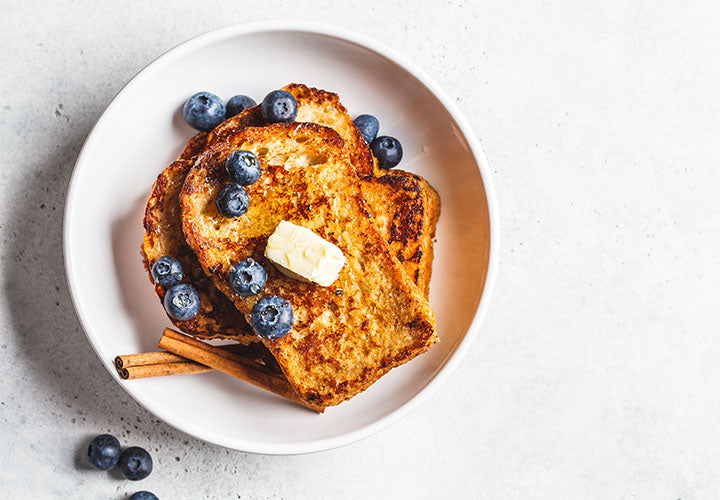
(182, 302)
(104, 452)
(135, 463)
(368, 126)
(272, 317)
(387, 150)
(247, 277)
(143, 495)
(237, 104)
(242, 167)
(279, 106)
(204, 111)
(167, 271)
(232, 201)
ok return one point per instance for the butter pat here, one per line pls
(299, 253)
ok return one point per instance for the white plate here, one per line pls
(142, 131)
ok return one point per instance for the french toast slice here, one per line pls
(406, 210)
(347, 335)
(405, 206)
(314, 106)
(218, 316)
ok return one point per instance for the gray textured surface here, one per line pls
(596, 374)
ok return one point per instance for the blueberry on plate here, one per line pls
(143, 495)
(237, 104)
(368, 126)
(204, 111)
(104, 452)
(279, 106)
(272, 317)
(182, 302)
(247, 277)
(242, 167)
(232, 201)
(135, 463)
(167, 271)
(387, 150)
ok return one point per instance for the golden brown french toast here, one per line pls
(405, 209)
(218, 317)
(405, 206)
(347, 335)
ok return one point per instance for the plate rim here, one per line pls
(450, 364)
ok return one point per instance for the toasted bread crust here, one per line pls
(194, 146)
(345, 336)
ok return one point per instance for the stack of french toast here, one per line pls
(318, 173)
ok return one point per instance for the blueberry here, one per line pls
(242, 167)
(279, 106)
(237, 104)
(204, 111)
(232, 201)
(272, 317)
(368, 126)
(182, 302)
(167, 271)
(135, 463)
(104, 452)
(387, 150)
(247, 277)
(143, 495)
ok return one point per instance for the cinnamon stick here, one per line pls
(147, 358)
(232, 364)
(162, 369)
(157, 364)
